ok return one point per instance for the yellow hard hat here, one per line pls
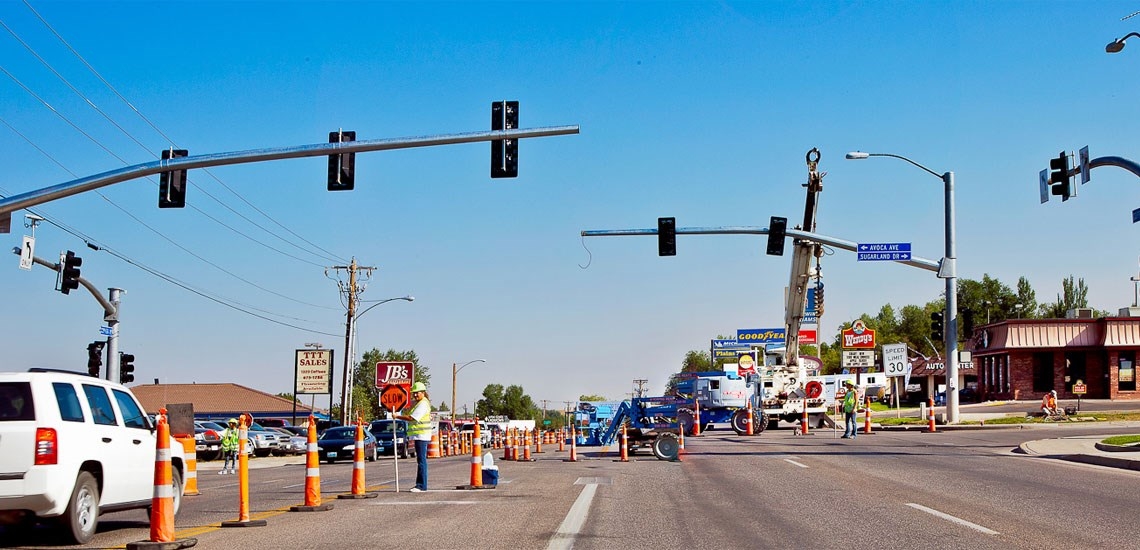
(418, 386)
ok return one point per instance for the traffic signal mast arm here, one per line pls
(109, 311)
(88, 183)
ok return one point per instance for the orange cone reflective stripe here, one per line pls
(358, 460)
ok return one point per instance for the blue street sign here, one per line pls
(104, 331)
(889, 252)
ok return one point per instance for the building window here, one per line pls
(1127, 379)
(1075, 369)
(1042, 372)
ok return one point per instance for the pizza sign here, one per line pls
(859, 336)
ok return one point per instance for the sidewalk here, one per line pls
(1083, 449)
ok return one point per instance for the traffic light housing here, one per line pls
(819, 300)
(172, 184)
(1059, 180)
(504, 152)
(70, 272)
(342, 167)
(95, 358)
(666, 236)
(777, 230)
(126, 368)
(937, 329)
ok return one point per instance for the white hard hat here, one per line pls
(1054, 392)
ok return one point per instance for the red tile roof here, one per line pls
(224, 398)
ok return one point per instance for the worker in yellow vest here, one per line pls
(419, 431)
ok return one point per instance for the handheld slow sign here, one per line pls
(394, 398)
(389, 373)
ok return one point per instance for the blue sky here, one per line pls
(702, 111)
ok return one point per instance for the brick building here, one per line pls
(1026, 358)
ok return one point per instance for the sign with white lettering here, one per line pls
(894, 359)
(859, 336)
(858, 358)
(314, 372)
(394, 373)
(883, 252)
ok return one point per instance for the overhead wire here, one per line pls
(328, 255)
(144, 147)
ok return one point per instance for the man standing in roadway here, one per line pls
(419, 431)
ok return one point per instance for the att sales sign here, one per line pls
(394, 373)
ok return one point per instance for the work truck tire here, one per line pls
(666, 447)
(740, 422)
(686, 421)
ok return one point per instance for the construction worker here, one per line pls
(419, 431)
(1049, 404)
(230, 438)
(850, 406)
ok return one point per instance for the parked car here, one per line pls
(485, 433)
(207, 443)
(73, 446)
(339, 443)
(220, 428)
(296, 444)
(297, 430)
(382, 431)
(264, 441)
(273, 422)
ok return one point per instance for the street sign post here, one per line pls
(872, 252)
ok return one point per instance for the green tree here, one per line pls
(1026, 305)
(695, 361)
(1074, 294)
(492, 402)
(591, 398)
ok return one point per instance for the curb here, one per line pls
(949, 427)
(1109, 461)
(1117, 448)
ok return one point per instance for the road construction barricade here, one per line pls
(433, 446)
(162, 501)
(358, 484)
(190, 479)
(312, 476)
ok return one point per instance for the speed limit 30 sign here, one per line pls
(894, 359)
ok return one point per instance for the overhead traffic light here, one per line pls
(172, 184)
(1059, 181)
(126, 368)
(95, 358)
(936, 327)
(504, 152)
(666, 236)
(342, 167)
(70, 271)
(777, 230)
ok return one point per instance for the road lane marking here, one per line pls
(796, 463)
(563, 538)
(402, 503)
(953, 519)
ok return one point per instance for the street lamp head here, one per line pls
(857, 155)
(1114, 46)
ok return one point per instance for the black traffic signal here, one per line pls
(172, 185)
(504, 152)
(1059, 181)
(70, 271)
(126, 368)
(936, 327)
(777, 230)
(95, 358)
(666, 236)
(342, 167)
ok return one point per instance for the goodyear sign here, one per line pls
(760, 335)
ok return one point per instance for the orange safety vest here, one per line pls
(1049, 401)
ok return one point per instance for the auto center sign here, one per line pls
(313, 374)
(859, 337)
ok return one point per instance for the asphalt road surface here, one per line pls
(906, 490)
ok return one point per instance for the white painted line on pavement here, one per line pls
(402, 503)
(563, 538)
(953, 519)
(796, 463)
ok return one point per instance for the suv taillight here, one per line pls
(47, 447)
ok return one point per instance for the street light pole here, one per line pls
(350, 344)
(947, 270)
(455, 371)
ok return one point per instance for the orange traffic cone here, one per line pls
(476, 461)
(867, 417)
(931, 428)
(697, 419)
(243, 520)
(312, 476)
(573, 446)
(527, 436)
(562, 440)
(751, 421)
(162, 503)
(538, 437)
(358, 490)
(624, 446)
(433, 445)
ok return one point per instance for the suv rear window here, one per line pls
(16, 402)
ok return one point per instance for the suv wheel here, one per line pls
(82, 515)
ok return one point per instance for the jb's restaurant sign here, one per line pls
(859, 337)
(313, 373)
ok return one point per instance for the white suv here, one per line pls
(73, 447)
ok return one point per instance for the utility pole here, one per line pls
(349, 335)
(640, 387)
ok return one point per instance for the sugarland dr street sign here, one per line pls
(873, 252)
